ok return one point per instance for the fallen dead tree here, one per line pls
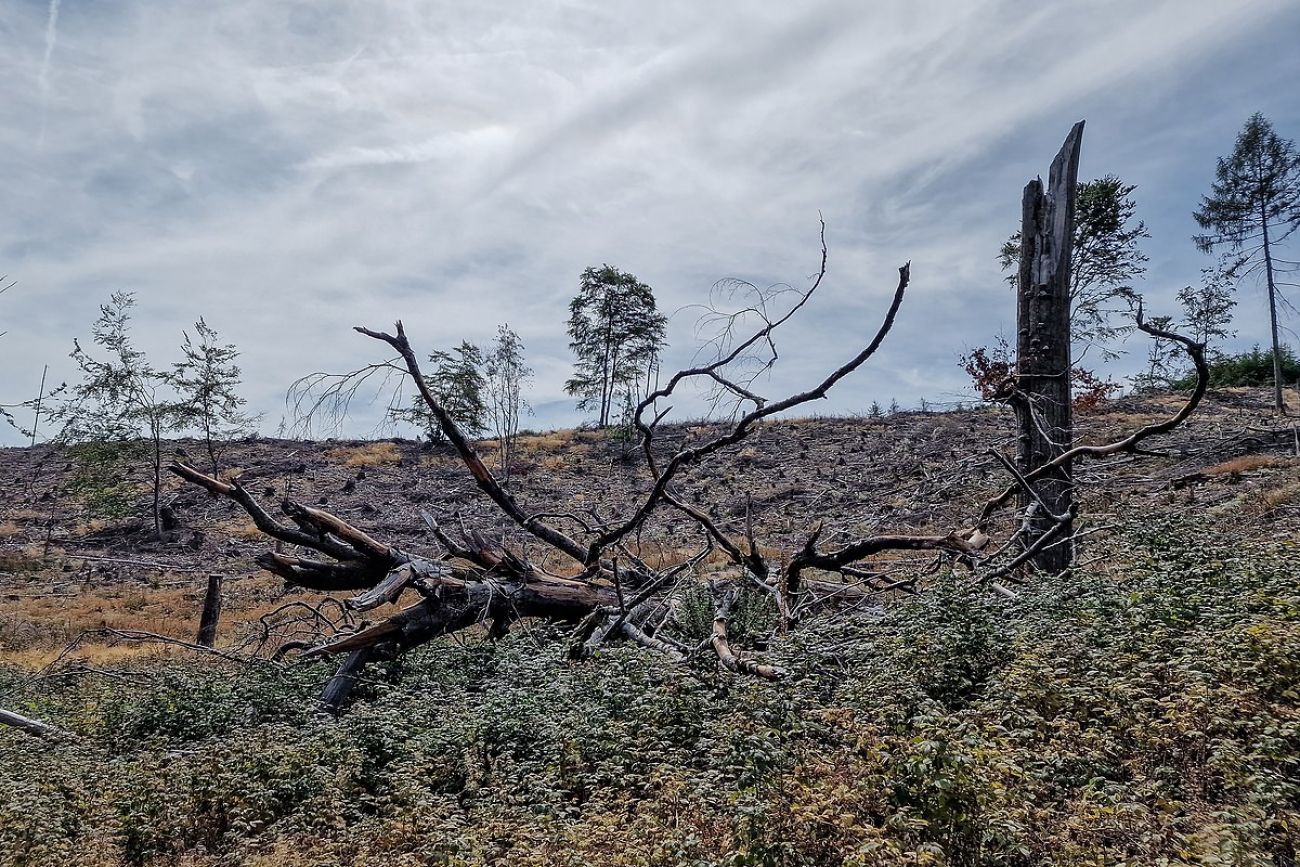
(606, 591)
(34, 727)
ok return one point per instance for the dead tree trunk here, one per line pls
(334, 698)
(211, 613)
(1043, 362)
(33, 726)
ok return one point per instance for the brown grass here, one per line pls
(368, 455)
(9, 529)
(239, 528)
(557, 439)
(1279, 496)
(1245, 464)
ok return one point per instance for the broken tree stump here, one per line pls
(211, 613)
(1043, 364)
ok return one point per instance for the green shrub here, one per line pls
(1253, 368)
(1143, 715)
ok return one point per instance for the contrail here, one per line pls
(43, 79)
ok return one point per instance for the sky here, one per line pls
(288, 170)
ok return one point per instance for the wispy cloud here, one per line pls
(43, 77)
(290, 170)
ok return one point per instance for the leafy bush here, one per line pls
(1142, 715)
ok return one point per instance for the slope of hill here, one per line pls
(1143, 710)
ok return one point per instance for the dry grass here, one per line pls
(39, 620)
(556, 439)
(368, 455)
(1279, 496)
(239, 528)
(1245, 464)
(9, 529)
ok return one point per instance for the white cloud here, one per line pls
(289, 170)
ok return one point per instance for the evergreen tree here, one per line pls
(1254, 204)
(617, 333)
(206, 382)
(118, 398)
(456, 380)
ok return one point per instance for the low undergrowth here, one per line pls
(1145, 715)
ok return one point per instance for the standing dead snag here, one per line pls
(1043, 399)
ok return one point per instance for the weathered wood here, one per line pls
(211, 613)
(33, 726)
(334, 697)
(1046, 427)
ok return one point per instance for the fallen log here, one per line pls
(35, 727)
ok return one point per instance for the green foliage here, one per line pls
(101, 483)
(457, 383)
(617, 333)
(1252, 368)
(206, 382)
(1142, 715)
(117, 400)
(1254, 205)
(1256, 188)
(507, 376)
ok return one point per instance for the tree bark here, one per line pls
(1043, 351)
(211, 613)
(33, 726)
(1278, 403)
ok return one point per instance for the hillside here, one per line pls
(1143, 710)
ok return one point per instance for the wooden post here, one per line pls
(211, 613)
(1043, 363)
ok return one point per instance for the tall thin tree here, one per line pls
(1254, 205)
(507, 374)
(617, 332)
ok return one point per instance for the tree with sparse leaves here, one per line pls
(507, 374)
(119, 397)
(207, 398)
(1107, 259)
(1207, 308)
(617, 333)
(1254, 205)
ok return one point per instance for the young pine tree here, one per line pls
(1254, 205)
(206, 382)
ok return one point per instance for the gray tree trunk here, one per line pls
(1043, 362)
(211, 613)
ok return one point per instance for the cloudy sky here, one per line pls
(290, 169)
